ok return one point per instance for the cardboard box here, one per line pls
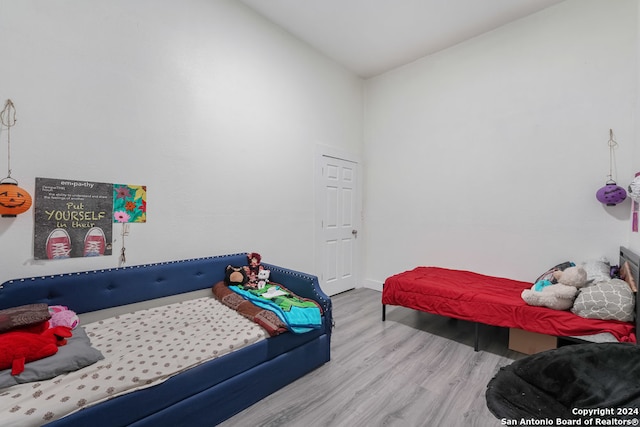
(530, 342)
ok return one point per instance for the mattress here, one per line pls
(140, 349)
(490, 300)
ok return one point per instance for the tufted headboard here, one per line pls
(100, 289)
(91, 291)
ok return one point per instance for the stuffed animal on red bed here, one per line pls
(19, 347)
(559, 295)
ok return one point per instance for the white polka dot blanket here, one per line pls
(140, 349)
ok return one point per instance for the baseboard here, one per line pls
(372, 284)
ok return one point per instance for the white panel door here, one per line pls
(339, 224)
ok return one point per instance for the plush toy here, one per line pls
(18, 348)
(66, 318)
(57, 308)
(36, 328)
(560, 295)
(263, 278)
(253, 268)
(235, 275)
(62, 316)
(547, 278)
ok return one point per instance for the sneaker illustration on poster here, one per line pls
(58, 244)
(94, 242)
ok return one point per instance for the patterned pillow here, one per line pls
(607, 300)
(24, 315)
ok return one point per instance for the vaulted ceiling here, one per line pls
(370, 37)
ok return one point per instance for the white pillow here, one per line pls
(597, 271)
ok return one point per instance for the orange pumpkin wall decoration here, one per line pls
(14, 200)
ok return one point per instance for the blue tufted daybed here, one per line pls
(209, 392)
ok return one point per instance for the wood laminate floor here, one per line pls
(414, 369)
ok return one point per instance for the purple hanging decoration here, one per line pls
(611, 194)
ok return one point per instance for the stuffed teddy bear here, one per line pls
(18, 347)
(559, 295)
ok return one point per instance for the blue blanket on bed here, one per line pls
(299, 315)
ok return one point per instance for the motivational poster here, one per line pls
(72, 218)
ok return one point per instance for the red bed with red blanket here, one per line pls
(490, 300)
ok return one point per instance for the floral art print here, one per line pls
(129, 203)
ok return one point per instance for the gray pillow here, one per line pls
(76, 354)
(607, 300)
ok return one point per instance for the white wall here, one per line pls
(215, 110)
(487, 156)
(634, 237)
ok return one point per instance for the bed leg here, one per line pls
(477, 338)
(384, 312)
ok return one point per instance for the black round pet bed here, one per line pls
(551, 384)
